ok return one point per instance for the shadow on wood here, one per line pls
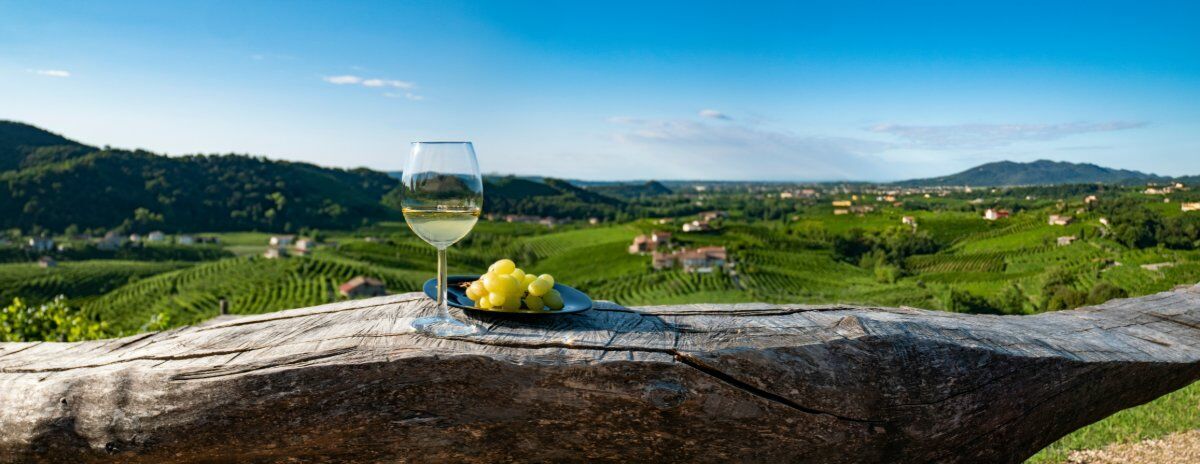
(695, 383)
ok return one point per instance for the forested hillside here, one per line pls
(23, 145)
(56, 184)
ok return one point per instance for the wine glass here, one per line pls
(442, 196)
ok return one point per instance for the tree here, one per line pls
(1105, 291)
(961, 301)
(1011, 300)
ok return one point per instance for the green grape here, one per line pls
(484, 302)
(512, 303)
(529, 278)
(548, 278)
(534, 302)
(476, 291)
(553, 300)
(540, 286)
(504, 266)
(497, 298)
(519, 275)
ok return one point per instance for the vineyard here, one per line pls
(779, 261)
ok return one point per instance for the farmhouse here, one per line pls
(275, 252)
(842, 203)
(1193, 206)
(1059, 220)
(46, 262)
(41, 244)
(361, 287)
(647, 243)
(111, 241)
(703, 259)
(840, 211)
(1089, 199)
(305, 246)
(697, 226)
(282, 240)
(861, 209)
(712, 215)
(185, 240)
(909, 221)
(994, 214)
(1066, 240)
(661, 260)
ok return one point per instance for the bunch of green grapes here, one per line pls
(507, 286)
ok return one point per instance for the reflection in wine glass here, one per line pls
(442, 197)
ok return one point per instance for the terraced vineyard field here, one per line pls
(78, 280)
(251, 285)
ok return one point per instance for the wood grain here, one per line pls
(351, 382)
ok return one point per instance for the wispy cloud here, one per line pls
(731, 150)
(405, 95)
(377, 83)
(349, 79)
(51, 72)
(714, 114)
(993, 135)
(388, 83)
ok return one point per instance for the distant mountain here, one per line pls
(1041, 172)
(54, 183)
(23, 145)
(632, 190)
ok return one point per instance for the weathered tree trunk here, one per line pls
(698, 383)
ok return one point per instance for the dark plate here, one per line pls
(574, 301)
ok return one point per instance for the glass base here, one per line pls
(443, 327)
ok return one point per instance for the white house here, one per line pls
(1191, 206)
(282, 240)
(1059, 220)
(994, 214)
(156, 236)
(185, 240)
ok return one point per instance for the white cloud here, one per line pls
(377, 83)
(51, 72)
(993, 135)
(714, 114)
(388, 83)
(735, 151)
(343, 80)
(406, 95)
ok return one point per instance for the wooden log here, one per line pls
(694, 383)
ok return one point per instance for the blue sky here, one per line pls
(620, 90)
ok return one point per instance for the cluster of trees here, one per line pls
(885, 251)
(1136, 226)
(1058, 293)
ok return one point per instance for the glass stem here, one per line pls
(443, 309)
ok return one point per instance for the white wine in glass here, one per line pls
(442, 197)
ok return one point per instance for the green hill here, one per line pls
(56, 183)
(543, 196)
(1041, 172)
(23, 145)
(632, 190)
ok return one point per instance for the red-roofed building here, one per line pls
(362, 287)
